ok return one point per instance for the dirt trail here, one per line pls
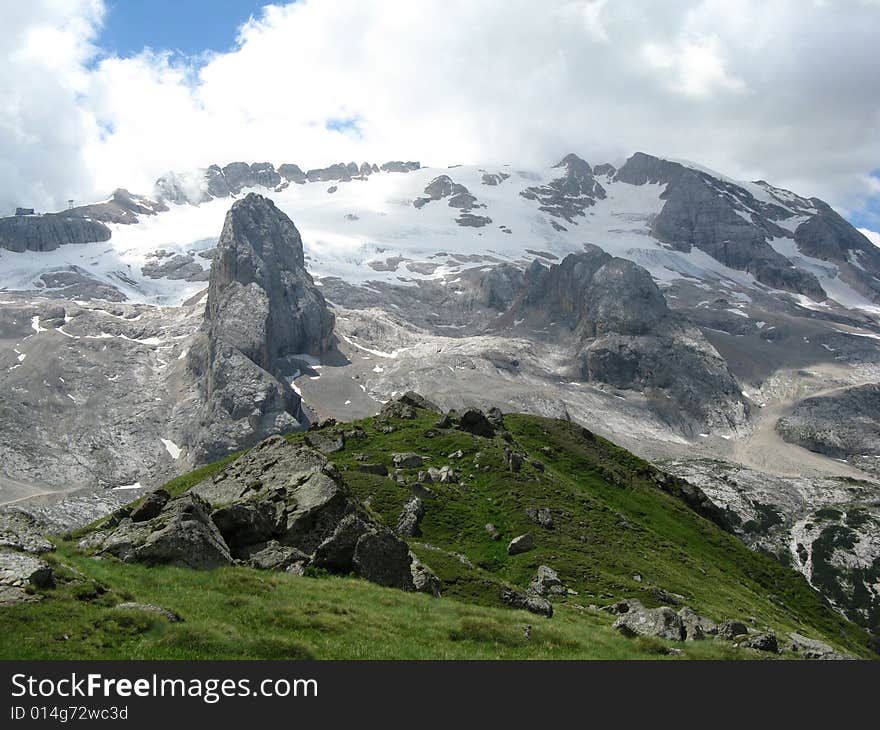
(765, 450)
(13, 491)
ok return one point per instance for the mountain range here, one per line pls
(727, 332)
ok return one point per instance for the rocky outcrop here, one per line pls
(456, 194)
(182, 534)
(123, 207)
(48, 232)
(843, 425)
(715, 216)
(592, 292)
(279, 507)
(262, 309)
(828, 237)
(398, 166)
(637, 620)
(623, 333)
(567, 197)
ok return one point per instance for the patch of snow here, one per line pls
(172, 448)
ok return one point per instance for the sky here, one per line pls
(100, 94)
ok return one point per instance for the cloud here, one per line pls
(783, 90)
(872, 236)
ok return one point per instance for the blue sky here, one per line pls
(188, 26)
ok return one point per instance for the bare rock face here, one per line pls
(704, 212)
(829, 237)
(262, 308)
(595, 293)
(123, 207)
(842, 425)
(570, 195)
(48, 232)
(278, 507)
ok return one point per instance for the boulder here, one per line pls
(812, 648)
(695, 627)
(731, 629)
(540, 516)
(151, 506)
(662, 622)
(381, 557)
(327, 442)
(474, 421)
(407, 460)
(526, 602)
(546, 583)
(521, 544)
(379, 469)
(424, 580)
(761, 642)
(336, 553)
(272, 555)
(183, 534)
(19, 570)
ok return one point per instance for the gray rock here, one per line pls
(841, 425)
(21, 531)
(695, 627)
(702, 211)
(570, 195)
(521, 544)
(730, 629)
(272, 555)
(381, 557)
(407, 460)
(546, 583)
(398, 166)
(262, 307)
(19, 570)
(327, 442)
(662, 622)
(469, 220)
(379, 469)
(48, 232)
(424, 580)
(411, 517)
(336, 553)
(246, 524)
(526, 602)
(151, 506)
(474, 421)
(541, 516)
(761, 642)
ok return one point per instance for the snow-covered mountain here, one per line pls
(413, 223)
(691, 318)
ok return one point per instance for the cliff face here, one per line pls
(262, 310)
(48, 232)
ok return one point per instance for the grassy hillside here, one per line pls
(615, 534)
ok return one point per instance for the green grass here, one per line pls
(612, 526)
(237, 613)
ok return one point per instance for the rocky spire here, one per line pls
(262, 309)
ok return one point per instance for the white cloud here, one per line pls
(872, 236)
(777, 89)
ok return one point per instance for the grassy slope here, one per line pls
(611, 524)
